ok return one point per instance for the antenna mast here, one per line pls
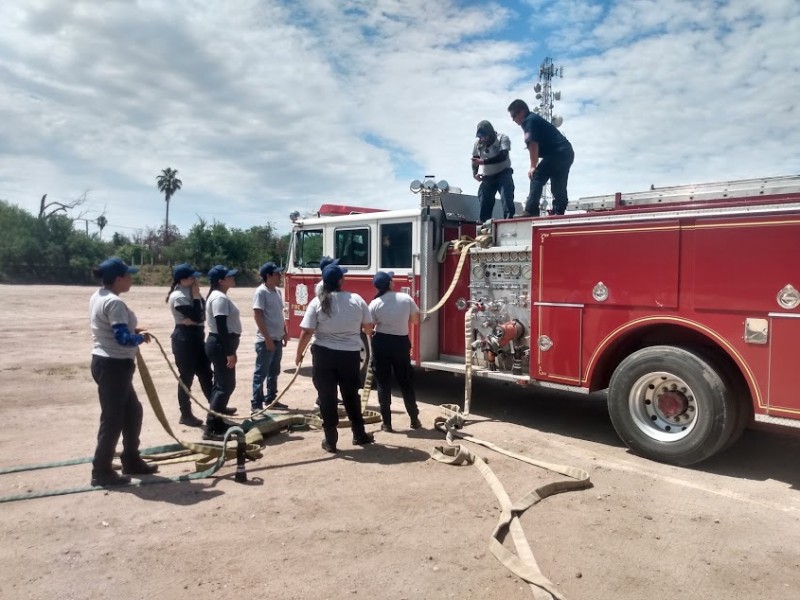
(547, 99)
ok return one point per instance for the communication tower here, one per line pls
(547, 99)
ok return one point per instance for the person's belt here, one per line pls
(236, 335)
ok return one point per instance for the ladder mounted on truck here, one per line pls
(689, 194)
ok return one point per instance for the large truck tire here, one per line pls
(672, 405)
(739, 394)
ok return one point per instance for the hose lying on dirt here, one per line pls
(523, 564)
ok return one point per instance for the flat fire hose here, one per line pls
(464, 244)
(523, 564)
(263, 421)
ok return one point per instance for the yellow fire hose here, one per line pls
(264, 421)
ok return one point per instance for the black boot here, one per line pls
(363, 438)
(386, 417)
(109, 478)
(138, 467)
(188, 419)
(331, 437)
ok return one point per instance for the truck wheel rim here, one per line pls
(663, 406)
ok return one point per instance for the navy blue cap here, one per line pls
(115, 267)
(269, 268)
(382, 280)
(220, 272)
(327, 260)
(184, 270)
(332, 274)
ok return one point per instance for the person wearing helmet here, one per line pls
(491, 152)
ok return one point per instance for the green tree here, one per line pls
(45, 249)
(168, 183)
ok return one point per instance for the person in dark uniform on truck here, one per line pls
(547, 143)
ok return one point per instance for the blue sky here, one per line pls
(265, 107)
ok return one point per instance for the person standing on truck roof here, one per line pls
(336, 318)
(271, 337)
(115, 338)
(491, 152)
(392, 313)
(188, 345)
(547, 143)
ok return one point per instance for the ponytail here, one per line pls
(381, 293)
(326, 294)
(98, 274)
(213, 285)
(172, 289)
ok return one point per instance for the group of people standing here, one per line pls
(195, 357)
(551, 156)
(335, 318)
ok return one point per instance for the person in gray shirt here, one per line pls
(392, 313)
(115, 338)
(188, 345)
(271, 337)
(336, 318)
(491, 152)
(224, 329)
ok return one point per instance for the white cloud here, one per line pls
(265, 107)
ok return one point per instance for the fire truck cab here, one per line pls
(682, 302)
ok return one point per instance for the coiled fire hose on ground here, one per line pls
(523, 564)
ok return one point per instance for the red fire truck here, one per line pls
(683, 302)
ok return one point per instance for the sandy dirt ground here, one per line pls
(379, 522)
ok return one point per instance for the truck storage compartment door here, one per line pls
(784, 348)
(556, 350)
(451, 322)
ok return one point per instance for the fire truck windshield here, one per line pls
(308, 248)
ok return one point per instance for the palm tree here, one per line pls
(168, 183)
(101, 223)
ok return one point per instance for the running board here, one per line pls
(525, 380)
(461, 369)
(778, 421)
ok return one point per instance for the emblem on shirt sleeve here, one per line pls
(301, 293)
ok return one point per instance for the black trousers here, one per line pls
(120, 411)
(189, 350)
(337, 369)
(490, 185)
(224, 378)
(393, 353)
(555, 169)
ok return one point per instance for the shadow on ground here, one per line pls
(760, 455)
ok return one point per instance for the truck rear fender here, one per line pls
(630, 340)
